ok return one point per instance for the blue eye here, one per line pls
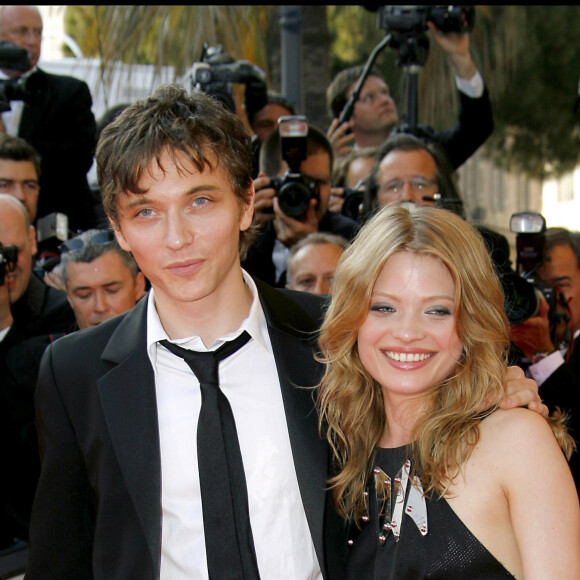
(200, 201)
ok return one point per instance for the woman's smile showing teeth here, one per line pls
(407, 357)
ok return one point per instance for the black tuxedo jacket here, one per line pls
(58, 122)
(562, 389)
(97, 511)
(41, 312)
(474, 126)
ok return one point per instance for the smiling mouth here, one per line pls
(408, 357)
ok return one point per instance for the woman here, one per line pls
(436, 479)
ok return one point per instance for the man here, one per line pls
(100, 278)
(312, 262)
(375, 113)
(19, 172)
(119, 493)
(557, 370)
(411, 169)
(29, 310)
(265, 120)
(55, 117)
(267, 257)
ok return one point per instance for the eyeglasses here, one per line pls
(394, 189)
(98, 238)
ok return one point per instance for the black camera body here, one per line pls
(523, 289)
(16, 58)
(217, 71)
(413, 19)
(8, 259)
(294, 190)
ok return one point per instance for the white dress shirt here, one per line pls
(12, 117)
(249, 379)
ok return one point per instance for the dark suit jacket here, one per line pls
(562, 389)
(474, 126)
(258, 261)
(58, 122)
(97, 511)
(38, 314)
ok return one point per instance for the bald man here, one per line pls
(31, 314)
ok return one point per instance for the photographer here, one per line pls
(375, 112)
(28, 310)
(557, 370)
(54, 115)
(268, 255)
(349, 173)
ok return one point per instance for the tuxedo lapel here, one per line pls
(129, 404)
(293, 336)
(36, 105)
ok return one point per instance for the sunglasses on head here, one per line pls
(98, 238)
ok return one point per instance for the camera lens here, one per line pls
(293, 198)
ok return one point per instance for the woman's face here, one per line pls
(409, 342)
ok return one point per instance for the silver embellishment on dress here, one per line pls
(416, 506)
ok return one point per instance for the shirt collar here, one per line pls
(254, 324)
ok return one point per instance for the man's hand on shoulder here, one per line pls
(522, 392)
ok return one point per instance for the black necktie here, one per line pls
(226, 521)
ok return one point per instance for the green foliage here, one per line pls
(354, 33)
(536, 128)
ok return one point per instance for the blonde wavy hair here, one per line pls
(350, 401)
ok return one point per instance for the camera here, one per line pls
(12, 57)
(8, 259)
(294, 189)
(354, 200)
(523, 289)
(51, 231)
(217, 71)
(413, 19)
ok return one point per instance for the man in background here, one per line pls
(52, 113)
(312, 262)
(101, 280)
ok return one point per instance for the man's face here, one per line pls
(407, 176)
(101, 289)
(266, 120)
(14, 232)
(313, 268)
(20, 180)
(561, 272)
(317, 167)
(375, 111)
(184, 232)
(22, 25)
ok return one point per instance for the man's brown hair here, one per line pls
(173, 120)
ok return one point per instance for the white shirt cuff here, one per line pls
(473, 87)
(546, 366)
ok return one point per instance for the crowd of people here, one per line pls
(366, 406)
